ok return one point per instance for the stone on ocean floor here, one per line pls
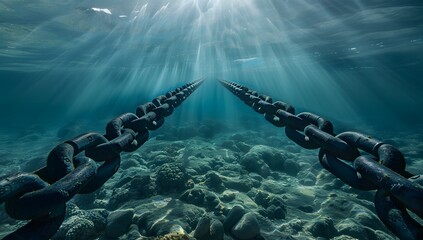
(214, 181)
(118, 222)
(234, 215)
(201, 197)
(164, 220)
(133, 233)
(203, 228)
(323, 227)
(209, 229)
(130, 163)
(228, 196)
(247, 227)
(274, 207)
(259, 156)
(291, 167)
(216, 230)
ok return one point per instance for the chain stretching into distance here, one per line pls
(41, 196)
(381, 168)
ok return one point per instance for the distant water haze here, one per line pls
(358, 62)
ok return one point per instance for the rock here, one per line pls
(267, 200)
(293, 227)
(291, 167)
(194, 196)
(129, 163)
(307, 182)
(352, 229)
(211, 200)
(234, 215)
(238, 137)
(228, 196)
(306, 209)
(162, 159)
(247, 227)
(213, 181)
(307, 178)
(343, 237)
(242, 185)
(336, 207)
(216, 230)
(201, 166)
(276, 212)
(133, 233)
(141, 186)
(118, 222)
(229, 145)
(262, 198)
(124, 180)
(143, 219)
(365, 217)
(273, 186)
(323, 228)
(119, 196)
(202, 229)
(271, 156)
(252, 163)
(243, 147)
(85, 201)
(175, 216)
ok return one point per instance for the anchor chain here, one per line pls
(72, 168)
(381, 167)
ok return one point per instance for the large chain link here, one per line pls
(381, 167)
(71, 167)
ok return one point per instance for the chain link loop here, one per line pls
(381, 167)
(71, 167)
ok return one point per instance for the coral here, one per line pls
(76, 228)
(97, 216)
(171, 176)
(81, 229)
(174, 236)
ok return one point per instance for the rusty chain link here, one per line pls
(381, 167)
(71, 167)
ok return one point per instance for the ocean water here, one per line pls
(69, 67)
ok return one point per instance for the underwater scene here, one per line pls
(211, 119)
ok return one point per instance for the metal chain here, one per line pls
(381, 167)
(71, 167)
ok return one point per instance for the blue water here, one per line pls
(355, 61)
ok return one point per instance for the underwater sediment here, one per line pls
(215, 181)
